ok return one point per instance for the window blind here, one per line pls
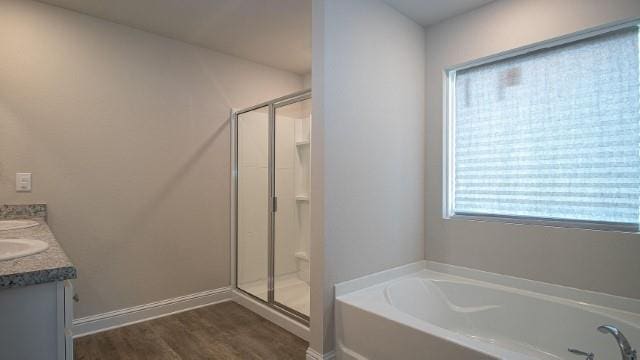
(551, 134)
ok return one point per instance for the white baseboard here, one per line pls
(314, 355)
(118, 318)
(272, 315)
(123, 317)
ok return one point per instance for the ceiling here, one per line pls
(429, 12)
(271, 32)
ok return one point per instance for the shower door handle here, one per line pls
(274, 204)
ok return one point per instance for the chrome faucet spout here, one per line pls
(626, 351)
(587, 355)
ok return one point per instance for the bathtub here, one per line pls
(417, 312)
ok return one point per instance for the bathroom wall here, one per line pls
(368, 120)
(593, 260)
(127, 136)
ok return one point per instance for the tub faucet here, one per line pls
(627, 352)
(587, 355)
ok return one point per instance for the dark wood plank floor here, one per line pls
(222, 331)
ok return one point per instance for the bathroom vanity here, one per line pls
(36, 296)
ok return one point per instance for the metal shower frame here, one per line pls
(272, 106)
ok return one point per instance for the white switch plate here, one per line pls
(23, 182)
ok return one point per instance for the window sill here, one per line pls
(571, 224)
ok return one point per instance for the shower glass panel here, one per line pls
(291, 222)
(253, 213)
(271, 202)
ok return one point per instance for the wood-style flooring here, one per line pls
(222, 331)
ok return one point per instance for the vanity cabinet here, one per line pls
(35, 322)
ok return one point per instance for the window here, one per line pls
(550, 134)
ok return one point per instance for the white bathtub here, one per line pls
(434, 315)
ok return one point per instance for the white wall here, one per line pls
(127, 136)
(319, 298)
(594, 260)
(368, 84)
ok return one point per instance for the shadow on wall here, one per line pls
(139, 218)
(142, 215)
(4, 181)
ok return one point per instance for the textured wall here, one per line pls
(368, 83)
(127, 136)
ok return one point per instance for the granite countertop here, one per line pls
(47, 266)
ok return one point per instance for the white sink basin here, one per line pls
(16, 224)
(16, 248)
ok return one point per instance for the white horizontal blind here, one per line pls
(552, 134)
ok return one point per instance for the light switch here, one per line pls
(23, 182)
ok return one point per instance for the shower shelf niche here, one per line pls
(302, 140)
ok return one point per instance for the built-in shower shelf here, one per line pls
(302, 197)
(302, 142)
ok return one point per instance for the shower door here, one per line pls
(252, 202)
(291, 223)
(271, 177)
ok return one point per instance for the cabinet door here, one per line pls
(29, 322)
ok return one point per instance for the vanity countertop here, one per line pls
(47, 266)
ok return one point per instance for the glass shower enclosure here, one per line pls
(272, 148)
